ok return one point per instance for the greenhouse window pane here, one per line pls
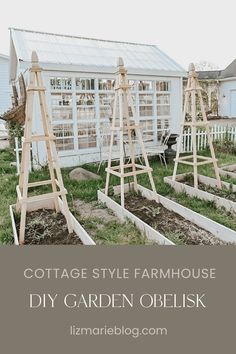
(64, 144)
(163, 85)
(106, 104)
(63, 130)
(132, 83)
(106, 84)
(85, 84)
(163, 99)
(163, 110)
(145, 85)
(145, 111)
(87, 136)
(145, 99)
(60, 83)
(61, 106)
(86, 106)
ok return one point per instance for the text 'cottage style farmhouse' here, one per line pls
(79, 76)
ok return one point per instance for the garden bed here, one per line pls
(228, 171)
(225, 198)
(45, 226)
(167, 222)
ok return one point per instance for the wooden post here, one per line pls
(123, 125)
(23, 199)
(192, 93)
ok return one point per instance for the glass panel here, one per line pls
(147, 130)
(61, 106)
(163, 98)
(105, 132)
(87, 137)
(85, 84)
(86, 106)
(63, 130)
(106, 104)
(64, 136)
(146, 125)
(145, 111)
(60, 83)
(63, 144)
(163, 110)
(145, 99)
(145, 102)
(133, 85)
(106, 84)
(163, 85)
(145, 85)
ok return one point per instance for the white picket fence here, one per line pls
(18, 151)
(218, 132)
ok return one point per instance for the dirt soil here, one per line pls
(95, 210)
(46, 227)
(170, 224)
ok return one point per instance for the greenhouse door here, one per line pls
(233, 103)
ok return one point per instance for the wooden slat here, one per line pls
(39, 138)
(36, 88)
(45, 196)
(39, 183)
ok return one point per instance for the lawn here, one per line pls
(87, 191)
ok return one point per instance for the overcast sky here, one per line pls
(187, 30)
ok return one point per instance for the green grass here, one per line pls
(87, 191)
(117, 233)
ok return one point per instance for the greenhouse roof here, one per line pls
(70, 50)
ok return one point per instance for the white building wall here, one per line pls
(5, 89)
(226, 87)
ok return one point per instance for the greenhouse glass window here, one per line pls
(132, 83)
(106, 104)
(61, 106)
(163, 104)
(147, 130)
(87, 136)
(106, 84)
(85, 106)
(145, 85)
(163, 110)
(145, 105)
(85, 84)
(163, 85)
(64, 136)
(60, 83)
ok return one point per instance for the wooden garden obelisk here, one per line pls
(193, 95)
(127, 129)
(56, 182)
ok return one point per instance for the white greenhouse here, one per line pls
(5, 92)
(79, 76)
